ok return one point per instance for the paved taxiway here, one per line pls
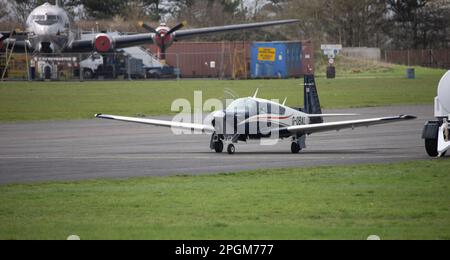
(88, 149)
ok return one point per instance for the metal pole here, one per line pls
(80, 67)
(178, 66)
(128, 68)
(114, 65)
(408, 59)
(72, 68)
(222, 57)
(26, 61)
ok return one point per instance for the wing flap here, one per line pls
(163, 123)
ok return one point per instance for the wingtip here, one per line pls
(293, 20)
(408, 117)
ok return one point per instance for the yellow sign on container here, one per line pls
(267, 54)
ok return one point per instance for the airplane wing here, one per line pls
(124, 41)
(133, 40)
(336, 126)
(194, 32)
(146, 121)
(117, 42)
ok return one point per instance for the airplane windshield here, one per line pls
(46, 19)
(243, 105)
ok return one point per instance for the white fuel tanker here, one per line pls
(436, 133)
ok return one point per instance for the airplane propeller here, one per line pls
(163, 38)
(147, 27)
(177, 27)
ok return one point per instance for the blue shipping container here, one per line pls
(276, 59)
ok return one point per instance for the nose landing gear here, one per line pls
(217, 143)
(231, 149)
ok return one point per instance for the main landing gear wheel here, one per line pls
(231, 149)
(431, 147)
(88, 74)
(295, 148)
(218, 147)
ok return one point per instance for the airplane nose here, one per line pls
(219, 122)
(219, 114)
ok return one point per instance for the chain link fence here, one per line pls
(433, 58)
(121, 66)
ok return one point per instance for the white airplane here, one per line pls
(48, 31)
(254, 118)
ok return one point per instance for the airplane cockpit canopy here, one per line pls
(243, 105)
(253, 107)
(46, 19)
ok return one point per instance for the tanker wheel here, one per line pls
(431, 147)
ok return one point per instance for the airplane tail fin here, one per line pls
(58, 3)
(311, 96)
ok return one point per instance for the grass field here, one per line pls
(381, 86)
(395, 201)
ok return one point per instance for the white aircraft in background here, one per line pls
(254, 118)
(48, 31)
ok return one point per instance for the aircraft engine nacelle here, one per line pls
(163, 38)
(103, 43)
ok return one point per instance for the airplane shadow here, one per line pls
(284, 152)
(314, 152)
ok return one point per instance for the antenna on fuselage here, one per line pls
(284, 102)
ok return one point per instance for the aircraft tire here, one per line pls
(295, 148)
(231, 149)
(218, 147)
(88, 74)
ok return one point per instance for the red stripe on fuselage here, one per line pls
(275, 117)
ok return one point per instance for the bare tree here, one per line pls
(3, 10)
(418, 23)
